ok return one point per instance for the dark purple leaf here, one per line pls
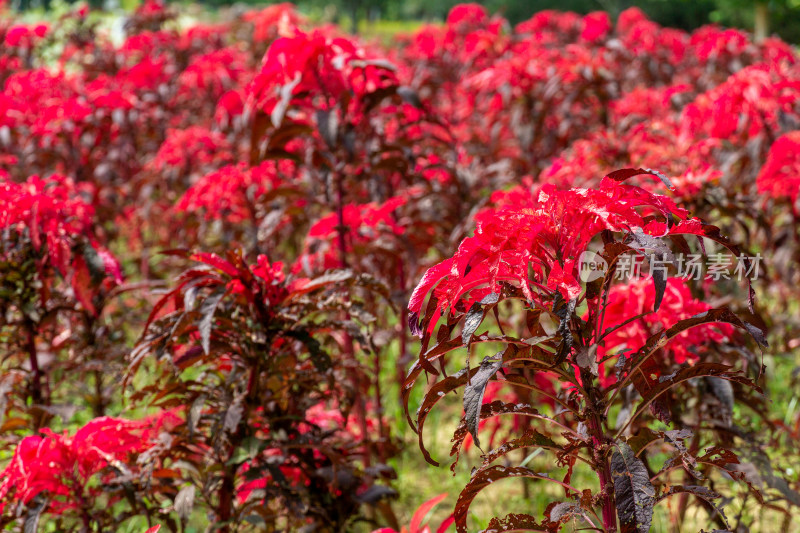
(656, 251)
(484, 477)
(471, 322)
(627, 173)
(409, 96)
(473, 394)
(633, 492)
(563, 511)
(517, 522)
(207, 310)
(376, 493)
(530, 439)
(704, 493)
(437, 392)
(34, 512)
(328, 126)
(490, 410)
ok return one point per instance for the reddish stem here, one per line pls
(402, 359)
(360, 406)
(38, 383)
(225, 508)
(600, 441)
(606, 488)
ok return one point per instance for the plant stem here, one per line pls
(225, 507)
(359, 405)
(36, 377)
(38, 384)
(595, 408)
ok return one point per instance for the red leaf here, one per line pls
(422, 511)
(82, 284)
(217, 262)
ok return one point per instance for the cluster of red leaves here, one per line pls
(367, 224)
(55, 215)
(637, 298)
(62, 466)
(545, 236)
(315, 70)
(231, 192)
(193, 148)
(780, 176)
(274, 21)
(52, 211)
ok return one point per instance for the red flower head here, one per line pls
(56, 217)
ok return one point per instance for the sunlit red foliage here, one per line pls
(56, 216)
(625, 302)
(780, 175)
(366, 224)
(62, 465)
(514, 240)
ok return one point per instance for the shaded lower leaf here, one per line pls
(530, 439)
(652, 392)
(376, 493)
(473, 394)
(562, 512)
(484, 477)
(491, 410)
(207, 310)
(34, 513)
(633, 491)
(436, 392)
(184, 502)
(319, 357)
(704, 493)
(517, 522)
(471, 322)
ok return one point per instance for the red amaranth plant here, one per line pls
(62, 475)
(264, 364)
(56, 278)
(519, 276)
